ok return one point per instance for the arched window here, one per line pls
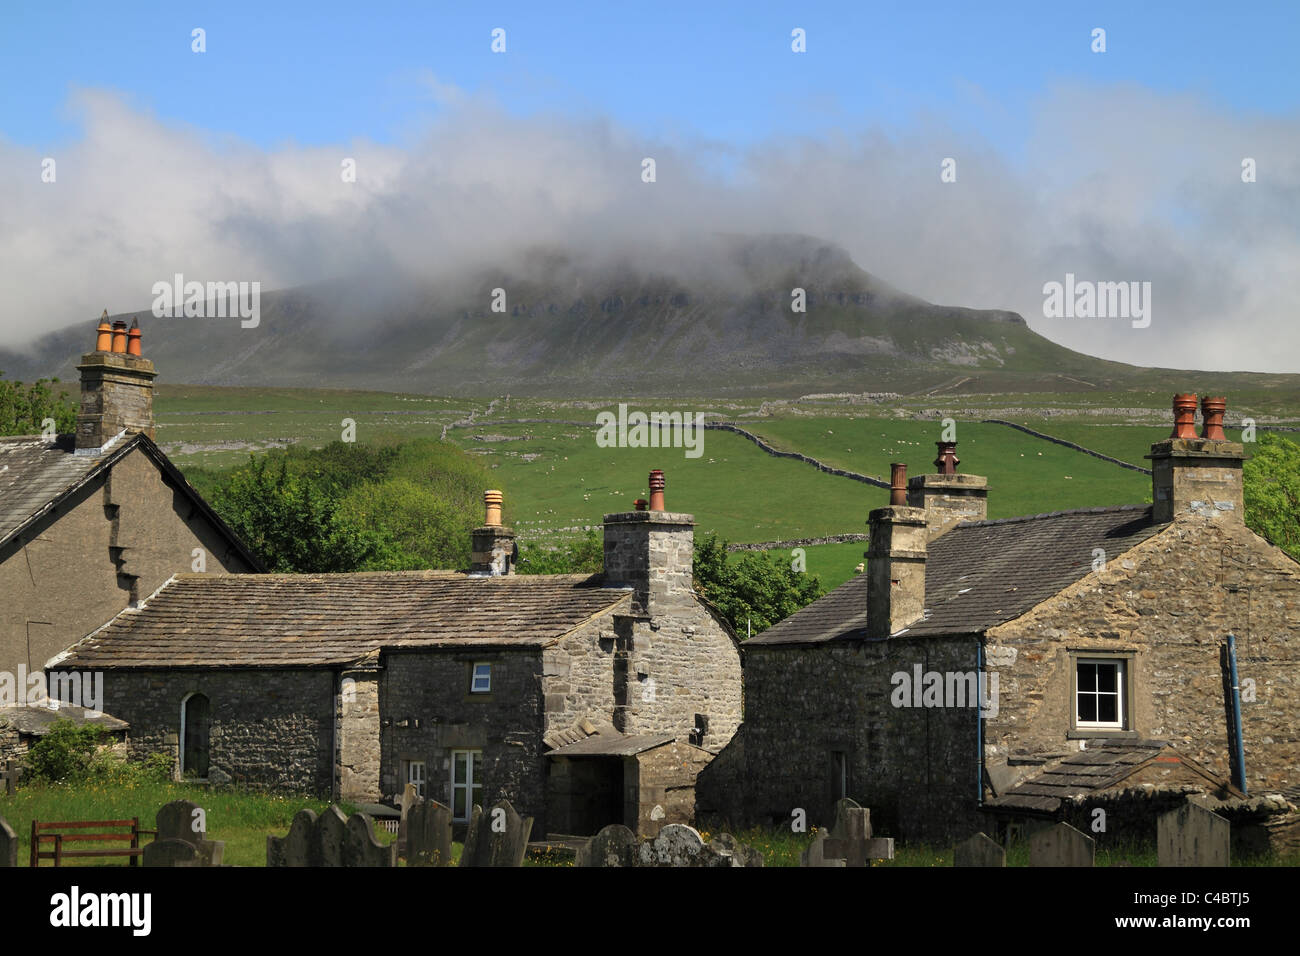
(196, 722)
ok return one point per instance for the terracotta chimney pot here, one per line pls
(639, 504)
(119, 336)
(492, 500)
(947, 461)
(1184, 416)
(657, 484)
(898, 484)
(133, 338)
(1213, 410)
(104, 338)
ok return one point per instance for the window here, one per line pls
(480, 681)
(416, 774)
(1099, 693)
(466, 783)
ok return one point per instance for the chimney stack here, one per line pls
(116, 388)
(947, 497)
(895, 564)
(1193, 475)
(652, 552)
(492, 546)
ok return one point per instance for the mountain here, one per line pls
(710, 319)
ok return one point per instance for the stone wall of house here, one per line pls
(116, 540)
(915, 767)
(273, 729)
(506, 725)
(661, 781)
(1167, 606)
(578, 675)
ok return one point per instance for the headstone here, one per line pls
(360, 848)
(410, 797)
(177, 821)
(741, 855)
(331, 829)
(848, 837)
(296, 848)
(815, 855)
(428, 833)
(13, 771)
(497, 837)
(979, 850)
(8, 844)
(170, 853)
(849, 840)
(615, 845)
(677, 845)
(1192, 836)
(1061, 845)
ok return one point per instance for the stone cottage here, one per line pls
(585, 700)
(952, 680)
(93, 522)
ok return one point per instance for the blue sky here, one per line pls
(1116, 166)
(330, 72)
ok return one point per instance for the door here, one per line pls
(196, 723)
(466, 783)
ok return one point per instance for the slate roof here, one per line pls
(36, 721)
(980, 574)
(312, 620)
(613, 745)
(1102, 766)
(36, 475)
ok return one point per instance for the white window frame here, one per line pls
(1120, 693)
(472, 783)
(474, 687)
(417, 772)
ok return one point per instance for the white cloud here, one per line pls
(1116, 184)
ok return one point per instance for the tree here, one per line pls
(1272, 492)
(291, 523)
(754, 590)
(583, 556)
(353, 507)
(24, 408)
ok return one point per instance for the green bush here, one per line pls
(65, 754)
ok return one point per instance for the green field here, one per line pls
(558, 482)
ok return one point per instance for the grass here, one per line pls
(242, 820)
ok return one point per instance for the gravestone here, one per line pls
(1192, 836)
(979, 850)
(1061, 845)
(497, 837)
(8, 844)
(615, 845)
(410, 797)
(428, 834)
(170, 853)
(13, 771)
(360, 848)
(329, 840)
(295, 848)
(678, 845)
(815, 855)
(178, 821)
(849, 840)
(741, 855)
